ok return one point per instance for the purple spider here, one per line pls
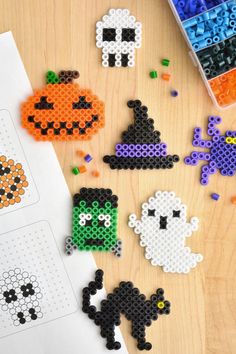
(222, 154)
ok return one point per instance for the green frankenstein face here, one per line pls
(95, 219)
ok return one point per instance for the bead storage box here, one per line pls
(209, 27)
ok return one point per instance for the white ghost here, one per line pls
(163, 229)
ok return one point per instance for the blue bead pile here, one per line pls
(212, 26)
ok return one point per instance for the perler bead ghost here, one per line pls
(13, 182)
(141, 146)
(118, 34)
(221, 155)
(62, 110)
(94, 224)
(162, 229)
(127, 300)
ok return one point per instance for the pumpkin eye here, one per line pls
(43, 104)
(82, 104)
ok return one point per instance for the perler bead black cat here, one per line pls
(141, 146)
(127, 300)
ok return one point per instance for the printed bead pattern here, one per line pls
(20, 295)
(221, 155)
(127, 300)
(94, 224)
(12, 182)
(118, 34)
(212, 26)
(141, 146)
(62, 110)
(162, 229)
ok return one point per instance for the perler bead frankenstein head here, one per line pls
(94, 224)
(62, 110)
(141, 145)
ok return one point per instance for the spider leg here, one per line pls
(206, 171)
(196, 156)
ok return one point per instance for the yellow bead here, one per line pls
(160, 305)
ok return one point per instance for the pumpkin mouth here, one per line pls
(63, 128)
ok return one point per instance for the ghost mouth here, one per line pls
(62, 128)
(94, 242)
(163, 222)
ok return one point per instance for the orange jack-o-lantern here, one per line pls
(62, 110)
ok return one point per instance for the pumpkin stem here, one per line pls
(67, 77)
(52, 78)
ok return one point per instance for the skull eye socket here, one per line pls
(128, 35)
(43, 104)
(151, 212)
(176, 213)
(109, 34)
(82, 103)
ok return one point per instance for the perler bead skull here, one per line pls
(118, 34)
(20, 295)
(163, 228)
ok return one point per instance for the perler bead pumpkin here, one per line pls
(12, 182)
(62, 110)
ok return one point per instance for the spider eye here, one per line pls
(82, 104)
(43, 104)
(109, 34)
(176, 213)
(128, 35)
(151, 212)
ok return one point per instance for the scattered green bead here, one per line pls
(165, 62)
(75, 170)
(153, 74)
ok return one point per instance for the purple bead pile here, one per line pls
(189, 8)
(222, 155)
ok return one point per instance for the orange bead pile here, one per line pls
(62, 111)
(12, 182)
(224, 88)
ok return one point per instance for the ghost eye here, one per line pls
(43, 104)
(85, 219)
(27, 290)
(128, 35)
(10, 296)
(104, 220)
(176, 213)
(109, 34)
(151, 212)
(82, 104)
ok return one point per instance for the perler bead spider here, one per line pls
(127, 300)
(118, 34)
(222, 154)
(141, 146)
(62, 110)
(163, 228)
(12, 182)
(94, 222)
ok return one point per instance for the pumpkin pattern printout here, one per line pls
(62, 110)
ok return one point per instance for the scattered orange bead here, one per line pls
(233, 200)
(80, 153)
(165, 77)
(82, 169)
(95, 173)
(224, 88)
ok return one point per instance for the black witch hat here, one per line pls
(141, 145)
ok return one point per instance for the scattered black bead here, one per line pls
(126, 300)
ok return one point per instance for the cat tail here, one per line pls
(91, 290)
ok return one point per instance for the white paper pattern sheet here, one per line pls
(17, 187)
(34, 286)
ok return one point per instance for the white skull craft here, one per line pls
(20, 295)
(118, 34)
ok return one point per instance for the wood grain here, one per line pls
(60, 34)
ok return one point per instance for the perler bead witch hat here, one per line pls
(94, 225)
(141, 145)
(62, 110)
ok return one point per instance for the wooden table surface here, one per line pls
(60, 34)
